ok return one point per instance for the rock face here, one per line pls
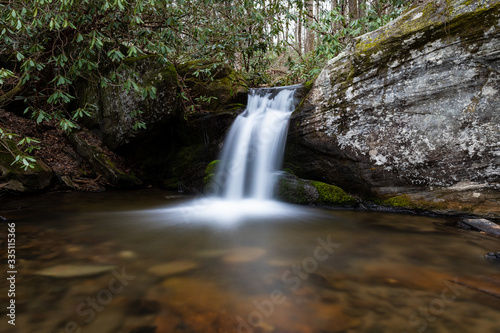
(176, 143)
(116, 110)
(411, 109)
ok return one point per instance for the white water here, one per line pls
(248, 167)
(253, 148)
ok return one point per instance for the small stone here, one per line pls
(244, 254)
(69, 271)
(493, 256)
(127, 255)
(174, 267)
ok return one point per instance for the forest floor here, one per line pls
(57, 152)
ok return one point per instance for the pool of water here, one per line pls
(152, 261)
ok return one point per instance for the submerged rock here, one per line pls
(172, 268)
(493, 256)
(69, 271)
(411, 109)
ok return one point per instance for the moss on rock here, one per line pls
(210, 172)
(220, 85)
(332, 194)
(295, 190)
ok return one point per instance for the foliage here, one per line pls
(19, 148)
(49, 45)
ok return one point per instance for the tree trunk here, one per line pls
(353, 9)
(309, 33)
(360, 8)
(299, 35)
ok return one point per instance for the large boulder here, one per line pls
(117, 110)
(411, 110)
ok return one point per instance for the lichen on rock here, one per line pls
(411, 107)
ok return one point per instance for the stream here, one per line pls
(130, 262)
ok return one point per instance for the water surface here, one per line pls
(298, 269)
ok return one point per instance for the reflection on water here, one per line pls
(144, 261)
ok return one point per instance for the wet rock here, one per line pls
(172, 268)
(483, 225)
(410, 109)
(69, 271)
(295, 190)
(493, 256)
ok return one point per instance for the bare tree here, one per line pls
(309, 32)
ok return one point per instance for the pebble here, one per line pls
(174, 267)
(69, 271)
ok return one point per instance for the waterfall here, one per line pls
(248, 166)
(253, 148)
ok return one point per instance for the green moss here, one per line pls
(211, 167)
(293, 191)
(405, 201)
(308, 85)
(187, 157)
(332, 194)
(210, 171)
(400, 201)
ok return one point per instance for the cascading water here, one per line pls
(249, 164)
(253, 148)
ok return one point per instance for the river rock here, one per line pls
(493, 256)
(410, 109)
(69, 271)
(172, 268)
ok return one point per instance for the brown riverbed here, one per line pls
(121, 262)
